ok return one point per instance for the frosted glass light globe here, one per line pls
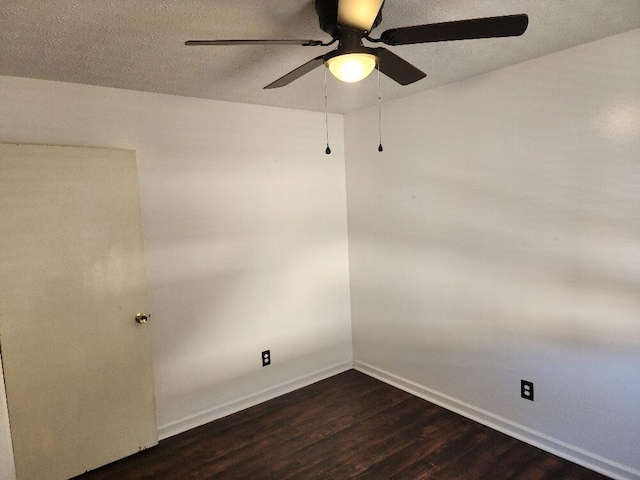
(352, 67)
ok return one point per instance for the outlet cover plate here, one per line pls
(526, 389)
(266, 358)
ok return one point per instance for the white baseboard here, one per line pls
(198, 419)
(557, 447)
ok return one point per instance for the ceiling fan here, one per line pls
(350, 21)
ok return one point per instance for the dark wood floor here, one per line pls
(348, 426)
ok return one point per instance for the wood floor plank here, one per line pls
(349, 426)
(318, 421)
(323, 453)
(406, 452)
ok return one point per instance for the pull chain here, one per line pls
(379, 114)
(326, 112)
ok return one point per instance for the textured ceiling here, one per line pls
(138, 44)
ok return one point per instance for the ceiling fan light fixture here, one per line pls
(352, 67)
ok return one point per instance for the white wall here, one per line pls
(497, 238)
(245, 235)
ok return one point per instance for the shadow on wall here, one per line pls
(536, 248)
(453, 293)
(277, 280)
(212, 398)
(217, 317)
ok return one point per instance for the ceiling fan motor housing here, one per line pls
(350, 39)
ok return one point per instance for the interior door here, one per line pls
(77, 365)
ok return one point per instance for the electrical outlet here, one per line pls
(526, 390)
(266, 358)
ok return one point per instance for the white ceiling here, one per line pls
(139, 44)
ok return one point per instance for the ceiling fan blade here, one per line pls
(304, 43)
(297, 73)
(505, 26)
(358, 14)
(397, 68)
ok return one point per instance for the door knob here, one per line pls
(142, 318)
